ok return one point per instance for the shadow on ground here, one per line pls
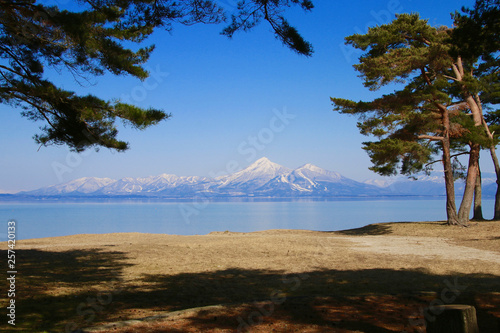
(372, 229)
(62, 291)
(52, 288)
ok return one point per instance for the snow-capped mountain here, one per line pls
(252, 178)
(163, 183)
(262, 178)
(380, 182)
(82, 185)
(310, 180)
(430, 185)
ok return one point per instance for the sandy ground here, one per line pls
(426, 247)
(398, 268)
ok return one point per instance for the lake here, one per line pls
(39, 219)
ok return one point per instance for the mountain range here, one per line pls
(263, 178)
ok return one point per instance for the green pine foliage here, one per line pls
(447, 80)
(250, 13)
(408, 123)
(476, 36)
(92, 41)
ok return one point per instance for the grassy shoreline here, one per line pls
(87, 280)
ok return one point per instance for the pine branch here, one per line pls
(430, 137)
(451, 156)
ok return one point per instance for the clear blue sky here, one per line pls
(225, 95)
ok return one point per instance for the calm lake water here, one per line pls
(49, 219)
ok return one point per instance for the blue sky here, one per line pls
(233, 101)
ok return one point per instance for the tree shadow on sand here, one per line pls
(372, 229)
(56, 287)
(63, 291)
(370, 300)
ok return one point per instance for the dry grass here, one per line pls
(480, 235)
(371, 279)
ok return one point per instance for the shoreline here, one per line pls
(395, 241)
(368, 229)
(138, 275)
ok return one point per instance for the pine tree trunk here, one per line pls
(451, 209)
(496, 215)
(493, 153)
(478, 205)
(470, 184)
(494, 158)
(449, 181)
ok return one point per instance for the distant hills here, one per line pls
(263, 178)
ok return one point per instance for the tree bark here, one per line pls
(493, 153)
(470, 184)
(451, 209)
(494, 158)
(496, 215)
(478, 205)
(472, 170)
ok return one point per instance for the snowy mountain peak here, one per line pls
(379, 182)
(255, 175)
(311, 170)
(262, 160)
(309, 166)
(80, 185)
(264, 165)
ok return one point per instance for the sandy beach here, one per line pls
(378, 278)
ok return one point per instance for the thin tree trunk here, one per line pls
(451, 209)
(478, 205)
(494, 158)
(497, 202)
(470, 184)
(496, 215)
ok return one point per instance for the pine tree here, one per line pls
(90, 41)
(434, 112)
(476, 40)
